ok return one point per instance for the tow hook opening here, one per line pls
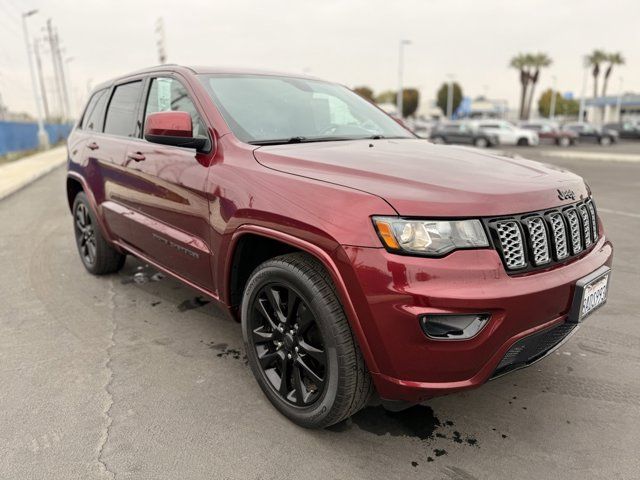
(453, 326)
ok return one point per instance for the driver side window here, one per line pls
(169, 95)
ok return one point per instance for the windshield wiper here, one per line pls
(280, 141)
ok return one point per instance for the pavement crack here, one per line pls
(106, 431)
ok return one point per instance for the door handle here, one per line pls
(93, 146)
(136, 157)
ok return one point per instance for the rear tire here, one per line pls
(481, 142)
(523, 142)
(564, 142)
(299, 344)
(605, 141)
(97, 255)
(438, 140)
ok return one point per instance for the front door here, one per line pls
(167, 196)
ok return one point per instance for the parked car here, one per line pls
(356, 257)
(590, 133)
(508, 133)
(550, 132)
(626, 130)
(462, 132)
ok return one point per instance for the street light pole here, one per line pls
(450, 97)
(43, 139)
(552, 110)
(399, 96)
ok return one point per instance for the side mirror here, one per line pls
(172, 128)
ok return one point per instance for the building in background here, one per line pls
(629, 105)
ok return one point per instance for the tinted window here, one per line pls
(92, 120)
(168, 94)
(121, 115)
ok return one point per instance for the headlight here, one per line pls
(429, 237)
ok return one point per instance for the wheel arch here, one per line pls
(286, 244)
(76, 184)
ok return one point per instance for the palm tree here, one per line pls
(595, 59)
(521, 62)
(536, 62)
(613, 59)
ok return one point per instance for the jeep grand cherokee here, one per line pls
(359, 259)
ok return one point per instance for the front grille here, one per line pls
(529, 349)
(539, 239)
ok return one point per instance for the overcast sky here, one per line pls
(354, 42)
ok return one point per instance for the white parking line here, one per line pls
(618, 212)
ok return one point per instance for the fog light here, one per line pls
(453, 326)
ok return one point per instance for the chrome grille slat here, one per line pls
(559, 235)
(574, 230)
(512, 245)
(594, 221)
(586, 225)
(538, 240)
(534, 240)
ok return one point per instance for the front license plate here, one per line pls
(591, 294)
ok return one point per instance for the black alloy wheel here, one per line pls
(98, 256)
(299, 344)
(85, 234)
(288, 344)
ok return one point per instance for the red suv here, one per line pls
(359, 259)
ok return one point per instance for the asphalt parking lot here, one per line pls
(134, 376)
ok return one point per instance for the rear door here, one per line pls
(164, 195)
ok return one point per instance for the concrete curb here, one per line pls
(594, 156)
(16, 175)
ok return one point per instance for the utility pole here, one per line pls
(400, 95)
(43, 89)
(43, 139)
(552, 109)
(161, 41)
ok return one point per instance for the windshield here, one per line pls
(263, 109)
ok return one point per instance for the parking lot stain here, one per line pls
(192, 303)
(414, 464)
(439, 452)
(419, 422)
(225, 352)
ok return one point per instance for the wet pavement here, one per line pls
(135, 376)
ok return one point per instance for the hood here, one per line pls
(418, 178)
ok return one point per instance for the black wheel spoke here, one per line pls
(261, 307)
(302, 395)
(305, 319)
(285, 365)
(276, 303)
(311, 351)
(293, 304)
(261, 335)
(309, 373)
(270, 359)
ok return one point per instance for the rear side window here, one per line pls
(121, 114)
(92, 119)
(169, 95)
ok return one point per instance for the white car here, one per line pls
(508, 133)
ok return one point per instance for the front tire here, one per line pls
(299, 344)
(605, 141)
(97, 256)
(481, 142)
(523, 142)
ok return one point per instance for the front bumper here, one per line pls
(390, 291)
